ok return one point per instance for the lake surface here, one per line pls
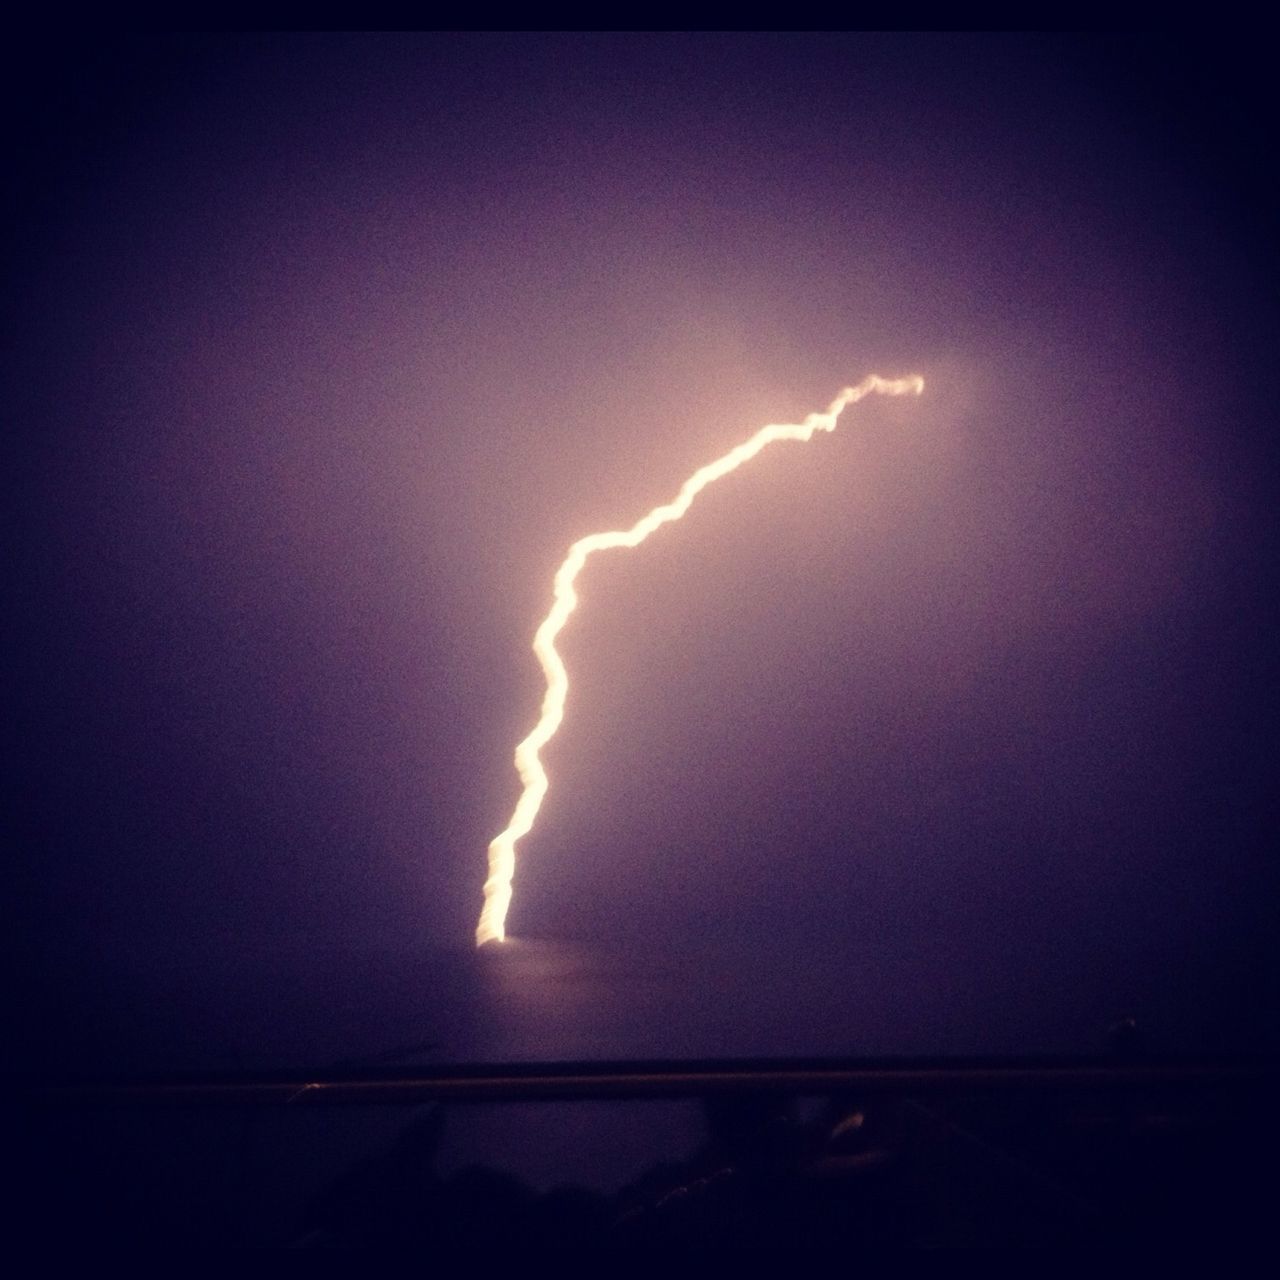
(322, 1007)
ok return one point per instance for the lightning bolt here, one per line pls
(502, 849)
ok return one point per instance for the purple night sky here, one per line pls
(951, 732)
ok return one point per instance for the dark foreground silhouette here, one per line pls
(901, 1174)
(1029, 1161)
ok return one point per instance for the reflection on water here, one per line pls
(550, 999)
(324, 1007)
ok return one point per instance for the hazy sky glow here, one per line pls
(319, 352)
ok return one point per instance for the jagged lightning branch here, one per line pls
(502, 850)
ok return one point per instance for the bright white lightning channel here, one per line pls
(502, 849)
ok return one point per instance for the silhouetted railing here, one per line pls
(633, 1080)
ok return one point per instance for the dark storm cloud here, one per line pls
(320, 351)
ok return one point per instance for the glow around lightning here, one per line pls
(502, 849)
